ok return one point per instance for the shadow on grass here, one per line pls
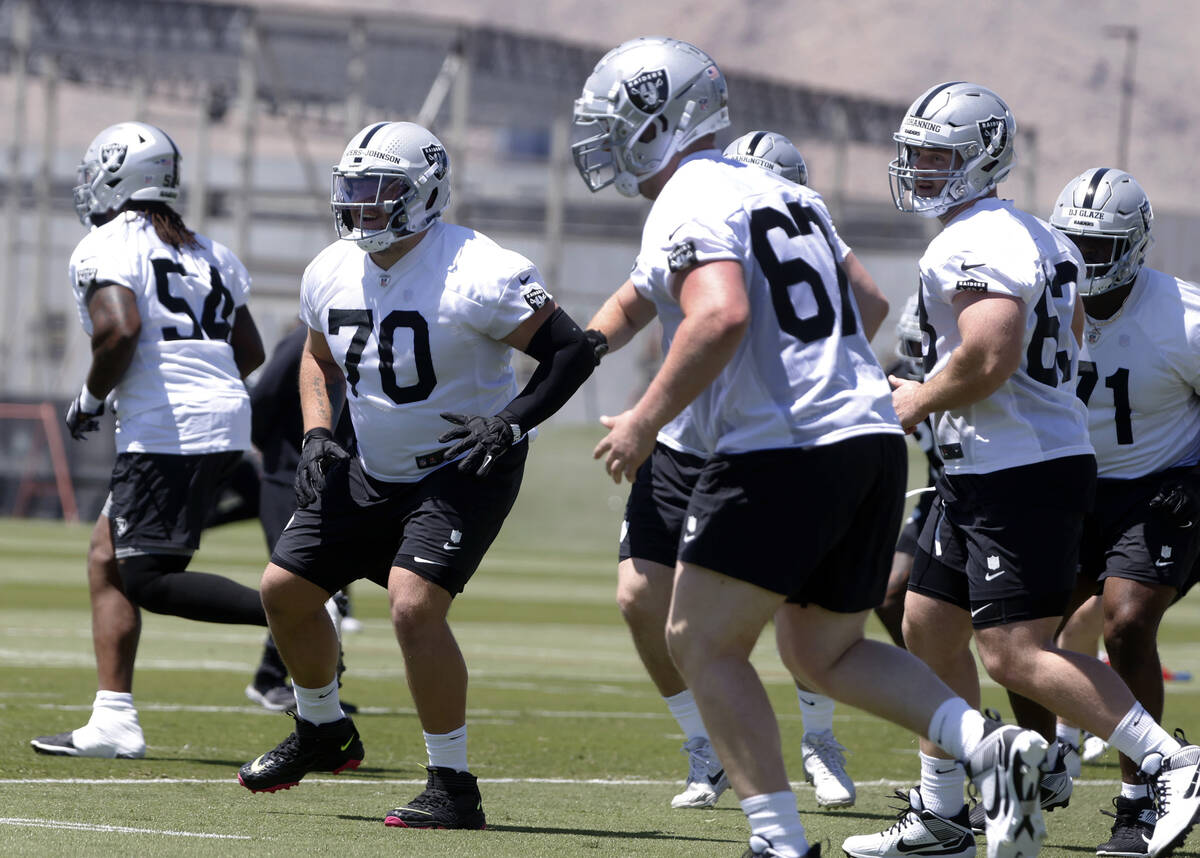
(574, 832)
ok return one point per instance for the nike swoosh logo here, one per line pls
(947, 771)
(524, 279)
(930, 849)
(326, 694)
(1163, 562)
(430, 562)
(450, 547)
(984, 608)
(417, 810)
(257, 766)
(688, 537)
(349, 741)
(966, 267)
(716, 779)
(992, 576)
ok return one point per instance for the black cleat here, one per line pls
(1133, 826)
(450, 800)
(1054, 791)
(331, 747)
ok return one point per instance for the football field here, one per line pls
(575, 752)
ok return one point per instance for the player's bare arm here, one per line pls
(621, 316)
(716, 314)
(872, 305)
(322, 385)
(992, 329)
(248, 352)
(116, 324)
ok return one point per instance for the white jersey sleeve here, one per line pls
(421, 338)
(994, 249)
(1139, 376)
(804, 374)
(182, 393)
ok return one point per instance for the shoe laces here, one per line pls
(906, 814)
(828, 752)
(1127, 819)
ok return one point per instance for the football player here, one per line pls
(996, 560)
(172, 340)
(822, 756)
(1139, 376)
(767, 357)
(413, 321)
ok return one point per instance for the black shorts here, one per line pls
(438, 528)
(911, 532)
(1005, 545)
(158, 503)
(1124, 538)
(816, 524)
(657, 504)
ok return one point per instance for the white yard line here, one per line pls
(115, 829)
(360, 780)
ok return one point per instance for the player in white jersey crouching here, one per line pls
(770, 358)
(1139, 376)
(172, 339)
(996, 562)
(414, 321)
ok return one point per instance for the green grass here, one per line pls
(576, 753)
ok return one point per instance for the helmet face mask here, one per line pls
(1108, 216)
(393, 181)
(771, 151)
(970, 121)
(129, 161)
(909, 339)
(645, 101)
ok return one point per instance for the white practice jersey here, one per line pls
(1139, 376)
(182, 394)
(1034, 416)
(804, 374)
(420, 338)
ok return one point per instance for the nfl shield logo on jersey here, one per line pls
(112, 156)
(648, 91)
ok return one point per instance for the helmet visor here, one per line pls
(367, 205)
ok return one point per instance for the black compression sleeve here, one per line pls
(565, 360)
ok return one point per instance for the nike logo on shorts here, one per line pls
(992, 576)
(429, 562)
(975, 612)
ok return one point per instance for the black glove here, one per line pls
(598, 342)
(486, 437)
(80, 421)
(1176, 501)
(319, 455)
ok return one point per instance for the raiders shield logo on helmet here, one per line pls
(436, 156)
(994, 132)
(648, 91)
(112, 156)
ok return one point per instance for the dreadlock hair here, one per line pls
(166, 222)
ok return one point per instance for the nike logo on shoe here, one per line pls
(349, 741)
(257, 766)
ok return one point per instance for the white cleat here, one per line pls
(1093, 748)
(706, 778)
(108, 733)
(825, 768)
(1006, 769)
(1176, 789)
(917, 831)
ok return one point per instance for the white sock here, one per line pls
(942, 784)
(774, 816)
(816, 711)
(1070, 735)
(1135, 791)
(956, 728)
(319, 705)
(447, 750)
(116, 700)
(1138, 735)
(687, 714)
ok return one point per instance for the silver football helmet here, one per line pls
(646, 100)
(126, 161)
(1107, 214)
(772, 151)
(393, 180)
(969, 120)
(908, 341)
